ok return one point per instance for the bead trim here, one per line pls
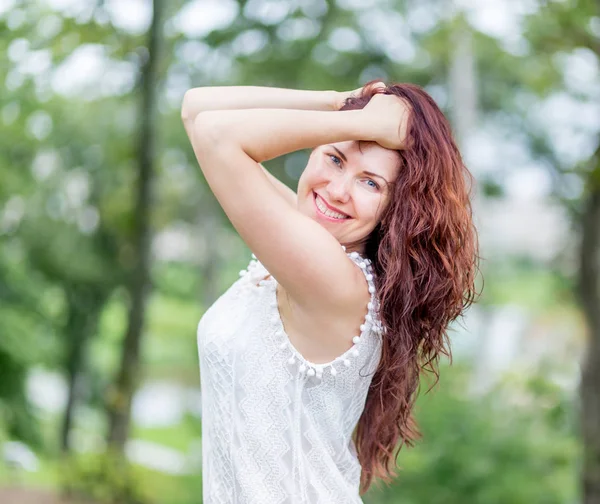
(256, 271)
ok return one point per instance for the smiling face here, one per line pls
(346, 187)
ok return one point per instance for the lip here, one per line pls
(330, 208)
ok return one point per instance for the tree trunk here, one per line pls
(85, 306)
(590, 299)
(120, 405)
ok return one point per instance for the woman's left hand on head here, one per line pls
(386, 118)
(344, 95)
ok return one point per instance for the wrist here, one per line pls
(360, 126)
(336, 100)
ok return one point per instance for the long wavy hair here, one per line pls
(425, 255)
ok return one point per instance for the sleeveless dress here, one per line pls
(276, 428)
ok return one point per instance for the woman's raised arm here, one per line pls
(201, 99)
(298, 252)
(303, 256)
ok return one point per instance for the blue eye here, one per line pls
(333, 157)
(338, 162)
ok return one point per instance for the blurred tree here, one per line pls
(66, 258)
(24, 321)
(139, 281)
(557, 31)
(70, 238)
(20, 324)
(589, 288)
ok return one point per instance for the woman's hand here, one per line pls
(344, 95)
(386, 118)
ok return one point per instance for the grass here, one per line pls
(535, 289)
(163, 488)
(178, 437)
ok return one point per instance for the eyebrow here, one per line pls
(343, 156)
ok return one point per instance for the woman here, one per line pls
(310, 362)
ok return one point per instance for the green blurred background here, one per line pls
(112, 246)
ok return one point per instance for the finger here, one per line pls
(380, 87)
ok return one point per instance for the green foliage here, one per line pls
(516, 444)
(17, 417)
(22, 324)
(475, 449)
(176, 280)
(103, 478)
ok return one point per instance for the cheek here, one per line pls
(369, 207)
(306, 183)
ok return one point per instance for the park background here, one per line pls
(112, 246)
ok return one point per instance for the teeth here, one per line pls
(326, 210)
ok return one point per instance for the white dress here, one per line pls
(276, 428)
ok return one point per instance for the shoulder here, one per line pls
(356, 290)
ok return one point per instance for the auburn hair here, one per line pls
(425, 255)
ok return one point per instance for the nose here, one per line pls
(338, 189)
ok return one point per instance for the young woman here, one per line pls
(310, 362)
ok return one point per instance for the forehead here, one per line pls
(371, 156)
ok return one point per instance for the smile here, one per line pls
(325, 212)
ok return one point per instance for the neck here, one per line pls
(355, 248)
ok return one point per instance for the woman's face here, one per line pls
(354, 178)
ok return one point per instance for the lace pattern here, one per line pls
(277, 428)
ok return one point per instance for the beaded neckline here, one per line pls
(256, 272)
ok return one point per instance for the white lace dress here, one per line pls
(276, 428)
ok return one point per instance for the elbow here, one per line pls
(192, 105)
(206, 129)
(187, 114)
